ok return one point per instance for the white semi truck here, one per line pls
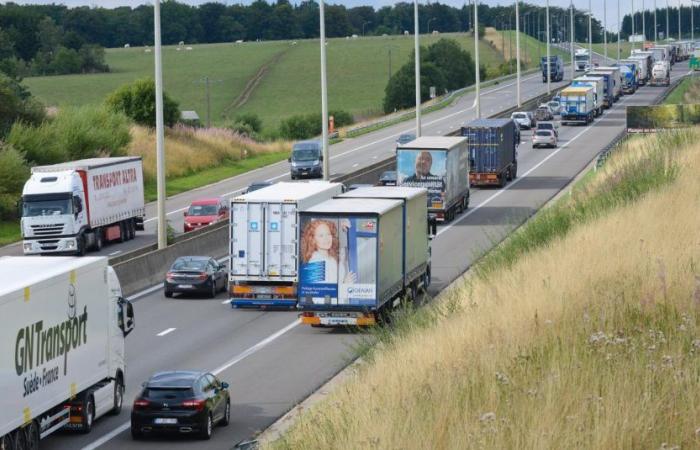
(581, 59)
(63, 323)
(77, 206)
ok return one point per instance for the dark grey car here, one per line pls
(306, 160)
(195, 275)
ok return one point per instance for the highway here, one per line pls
(271, 362)
(347, 156)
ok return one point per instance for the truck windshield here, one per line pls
(581, 57)
(305, 154)
(46, 207)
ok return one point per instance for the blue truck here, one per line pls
(493, 156)
(608, 87)
(629, 78)
(556, 68)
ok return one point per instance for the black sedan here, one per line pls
(195, 275)
(185, 402)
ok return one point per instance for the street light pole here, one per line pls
(590, 35)
(571, 44)
(430, 20)
(667, 33)
(549, 63)
(363, 26)
(619, 28)
(644, 25)
(417, 65)
(476, 59)
(680, 35)
(160, 133)
(605, 30)
(517, 51)
(656, 27)
(324, 93)
(634, 16)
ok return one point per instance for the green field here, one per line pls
(358, 70)
(531, 50)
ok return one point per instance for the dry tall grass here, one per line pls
(189, 150)
(590, 342)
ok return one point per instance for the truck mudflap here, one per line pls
(262, 296)
(338, 319)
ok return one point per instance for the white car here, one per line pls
(555, 107)
(524, 120)
(544, 138)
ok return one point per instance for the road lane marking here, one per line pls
(226, 302)
(164, 332)
(235, 360)
(115, 253)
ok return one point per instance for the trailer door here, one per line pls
(273, 241)
(247, 239)
(288, 267)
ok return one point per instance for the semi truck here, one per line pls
(440, 165)
(617, 78)
(694, 63)
(598, 84)
(610, 88)
(647, 61)
(493, 156)
(556, 68)
(661, 53)
(660, 74)
(374, 257)
(639, 69)
(263, 245)
(73, 207)
(581, 59)
(629, 78)
(578, 105)
(63, 323)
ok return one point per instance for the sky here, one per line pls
(596, 5)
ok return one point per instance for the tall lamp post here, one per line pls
(549, 41)
(417, 65)
(517, 52)
(324, 93)
(571, 44)
(160, 133)
(476, 59)
(590, 34)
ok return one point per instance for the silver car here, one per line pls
(523, 119)
(544, 138)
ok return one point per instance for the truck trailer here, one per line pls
(648, 62)
(639, 69)
(556, 68)
(578, 105)
(440, 165)
(660, 74)
(493, 156)
(617, 78)
(609, 87)
(354, 258)
(263, 245)
(598, 84)
(73, 207)
(63, 324)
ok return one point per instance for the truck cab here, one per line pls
(53, 212)
(306, 160)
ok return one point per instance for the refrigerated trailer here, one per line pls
(73, 207)
(598, 84)
(63, 324)
(493, 157)
(263, 242)
(352, 260)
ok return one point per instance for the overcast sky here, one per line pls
(597, 5)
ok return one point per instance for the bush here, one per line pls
(305, 126)
(251, 120)
(16, 104)
(75, 133)
(13, 173)
(138, 101)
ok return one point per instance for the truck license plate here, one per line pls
(162, 421)
(185, 286)
(338, 321)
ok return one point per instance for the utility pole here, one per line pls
(517, 51)
(619, 28)
(160, 133)
(417, 65)
(605, 31)
(549, 63)
(207, 90)
(324, 93)
(590, 35)
(644, 25)
(571, 44)
(656, 27)
(476, 59)
(634, 15)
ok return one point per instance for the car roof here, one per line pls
(206, 201)
(310, 141)
(193, 258)
(174, 379)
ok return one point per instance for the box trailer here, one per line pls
(73, 207)
(493, 157)
(647, 60)
(660, 74)
(263, 242)
(63, 324)
(628, 72)
(578, 104)
(637, 66)
(598, 84)
(351, 264)
(609, 87)
(440, 165)
(416, 241)
(556, 68)
(617, 77)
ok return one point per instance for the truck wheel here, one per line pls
(81, 246)
(28, 437)
(98, 239)
(8, 442)
(118, 397)
(122, 233)
(88, 413)
(131, 226)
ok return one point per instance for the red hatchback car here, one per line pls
(205, 212)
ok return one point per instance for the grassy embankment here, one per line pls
(531, 50)
(582, 330)
(358, 71)
(688, 91)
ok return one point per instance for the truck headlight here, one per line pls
(27, 246)
(70, 245)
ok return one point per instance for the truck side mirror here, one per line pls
(126, 316)
(289, 159)
(77, 205)
(20, 207)
(320, 158)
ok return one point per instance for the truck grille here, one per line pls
(47, 230)
(48, 244)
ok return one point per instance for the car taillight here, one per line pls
(194, 404)
(307, 314)
(141, 403)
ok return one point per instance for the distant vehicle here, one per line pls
(555, 106)
(581, 58)
(195, 275)
(352, 187)
(255, 185)
(556, 68)
(548, 126)
(183, 402)
(598, 83)
(694, 63)
(306, 160)
(205, 212)
(578, 105)
(387, 178)
(660, 74)
(405, 138)
(523, 119)
(546, 138)
(543, 112)
(493, 155)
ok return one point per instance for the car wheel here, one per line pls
(212, 293)
(206, 429)
(168, 294)
(136, 434)
(227, 415)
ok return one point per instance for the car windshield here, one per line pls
(553, 104)
(169, 393)
(257, 186)
(390, 175)
(520, 116)
(545, 125)
(196, 265)
(544, 133)
(46, 207)
(305, 154)
(202, 210)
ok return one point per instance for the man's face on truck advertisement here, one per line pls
(424, 162)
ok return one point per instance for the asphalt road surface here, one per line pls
(270, 361)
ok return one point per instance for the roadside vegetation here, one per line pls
(688, 91)
(589, 337)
